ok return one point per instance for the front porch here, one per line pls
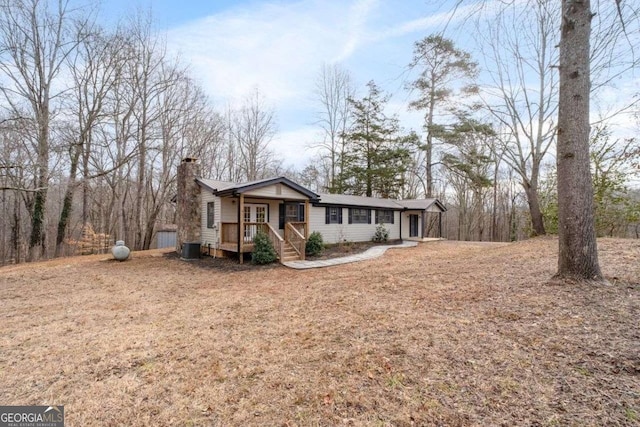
(236, 213)
(291, 247)
(288, 232)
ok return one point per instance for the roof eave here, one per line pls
(241, 189)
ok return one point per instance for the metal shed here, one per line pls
(166, 239)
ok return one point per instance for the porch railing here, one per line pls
(276, 240)
(295, 238)
(253, 228)
(293, 234)
(229, 232)
(299, 226)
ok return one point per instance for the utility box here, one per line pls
(191, 250)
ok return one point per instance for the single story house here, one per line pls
(224, 217)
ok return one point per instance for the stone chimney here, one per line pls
(188, 203)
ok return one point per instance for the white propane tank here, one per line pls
(120, 251)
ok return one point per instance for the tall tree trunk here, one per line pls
(67, 203)
(37, 241)
(578, 252)
(537, 221)
(140, 187)
(16, 231)
(494, 208)
(428, 158)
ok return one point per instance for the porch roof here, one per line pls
(226, 188)
(422, 204)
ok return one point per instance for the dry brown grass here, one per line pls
(443, 334)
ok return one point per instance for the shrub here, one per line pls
(263, 251)
(314, 244)
(381, 234)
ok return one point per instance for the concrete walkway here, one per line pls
(370, 253)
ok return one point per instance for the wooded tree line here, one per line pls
(93, 124)
(94, 121)
(487, 142)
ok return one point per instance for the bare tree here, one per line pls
(252, 129)
(94, 68)
(36, 37)
(334, 89)
(520, 50)
(13, 183)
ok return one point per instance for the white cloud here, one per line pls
(279, 47)
(296, 147)
(357, 28)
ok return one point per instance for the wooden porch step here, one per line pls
(289, 253)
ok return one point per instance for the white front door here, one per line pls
(253, 213)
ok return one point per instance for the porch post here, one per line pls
(306, 219)
(440, 224)
(241, 227)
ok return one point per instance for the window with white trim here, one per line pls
(210, 215)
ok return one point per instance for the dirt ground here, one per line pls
(446, 333)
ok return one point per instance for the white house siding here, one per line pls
(209, 235)
(276, 191)
(229, 209)
(335, 233)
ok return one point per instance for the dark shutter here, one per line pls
(301, 212)
(369, 216)
(393, 216)
(281, 216)
(339, 215)
(350, 216)
(327, 215)
(377, 217)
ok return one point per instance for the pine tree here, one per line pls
(442, 66)
(377, 154)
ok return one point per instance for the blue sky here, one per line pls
(279, 46)
(233, 47)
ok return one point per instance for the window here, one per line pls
(261, 214)
(247, 214)
(210, 215)
(359, 216)
(291, 212)
(384, 216)
(333, 215)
